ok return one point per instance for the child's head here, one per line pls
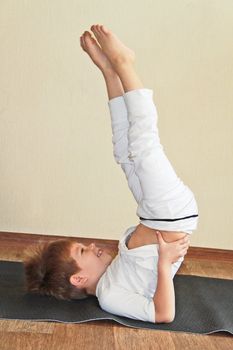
(64, 269)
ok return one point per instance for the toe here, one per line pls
(93, 27)
(86, 35)
(88, 38)
(93, 41)
(85, 40)
(104, 29)
(98, 28)
(94, 30)
(82, 43)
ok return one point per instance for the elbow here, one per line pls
(164, 319)
(169, 319)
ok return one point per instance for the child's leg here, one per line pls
(120, 126)
(165, 198)
(118, 111)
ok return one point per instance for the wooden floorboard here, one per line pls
(109, 335)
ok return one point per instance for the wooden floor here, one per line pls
(109, 335)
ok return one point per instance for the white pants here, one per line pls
(164, 202)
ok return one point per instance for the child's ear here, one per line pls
(78, 280)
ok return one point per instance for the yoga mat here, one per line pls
(203, 305)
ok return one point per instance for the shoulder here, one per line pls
(123, 302)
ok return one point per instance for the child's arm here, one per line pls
(164, 298)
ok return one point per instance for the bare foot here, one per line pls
(92, 48)
(114, 49)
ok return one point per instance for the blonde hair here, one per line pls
(48, 268)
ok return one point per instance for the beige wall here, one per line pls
(58, 175)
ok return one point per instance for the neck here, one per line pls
(91, 289)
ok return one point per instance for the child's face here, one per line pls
(92, 261)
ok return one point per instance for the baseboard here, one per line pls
(23, 240)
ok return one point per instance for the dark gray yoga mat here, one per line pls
(203, 305)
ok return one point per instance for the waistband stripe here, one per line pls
(186, 217)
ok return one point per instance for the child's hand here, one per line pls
(172, 251)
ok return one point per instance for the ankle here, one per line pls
(109, 72)
(122, 62)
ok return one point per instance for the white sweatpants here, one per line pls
(164, 202)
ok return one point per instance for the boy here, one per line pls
(138, 282)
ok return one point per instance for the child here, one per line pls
(138, 282)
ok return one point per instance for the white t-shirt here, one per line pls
(128, 285)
